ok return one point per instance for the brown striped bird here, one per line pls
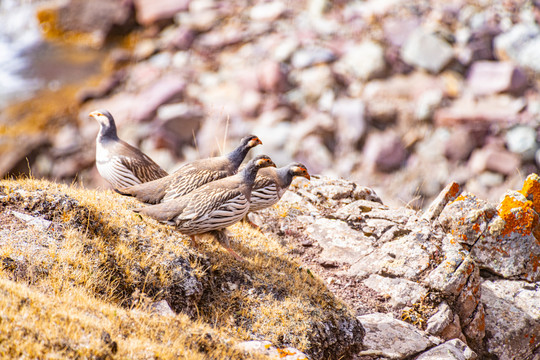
(192, 175)
(271, 183)
(212, 207)
(117, 161)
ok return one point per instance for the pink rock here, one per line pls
(149, 99)
(384, 152)
(397, 30)
(493, 158)
(129, 107)
(461, 143)
(151, 11)
(271, 77)
(499, 109)
(491, 77)
(182, 39)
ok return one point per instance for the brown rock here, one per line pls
(384, 151)
(461, 143)
(271, 77)
(92, 19)
(20, 153)
(480, 44)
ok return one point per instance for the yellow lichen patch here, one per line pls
(531, 190)
(518, 215)
(48, 21)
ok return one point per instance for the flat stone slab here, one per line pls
(392, 338)
(512, 311)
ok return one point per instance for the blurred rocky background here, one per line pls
(401, 96)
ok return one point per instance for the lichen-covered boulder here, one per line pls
(504, 240)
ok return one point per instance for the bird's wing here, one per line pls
(214, 202)
(263, 181)
(140, 164)
(117, 173)
(188, 178)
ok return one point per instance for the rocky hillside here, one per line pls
(333, 273)
(402, 96)
(83, 275)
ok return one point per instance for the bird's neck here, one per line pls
(250, 173)
(238, 155)
(107, 133)
(285, 176)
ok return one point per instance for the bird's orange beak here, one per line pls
(255, 142)
(94, 114)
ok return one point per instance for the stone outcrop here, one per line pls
(429, 267)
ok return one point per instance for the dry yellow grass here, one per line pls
(93, 274)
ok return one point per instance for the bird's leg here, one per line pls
(193, 242)
(222, 238)
(251, 223)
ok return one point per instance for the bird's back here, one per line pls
(123, 165)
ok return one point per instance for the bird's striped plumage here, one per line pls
(264, 197)
(118, 162)
(192, 175)
(213, 206)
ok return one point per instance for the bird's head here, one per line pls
(103, 117)
(298, 169)
(250, 141)
(262, 161)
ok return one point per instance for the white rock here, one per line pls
(391, 338)
(427, 51)
(339, 242)
(522, 140)
(270, 11)
(266, 348)
(364, 61)
(404, 257)
(30, 220)
(402, 292)
(308, 57)
(451, 350)
(162, 308)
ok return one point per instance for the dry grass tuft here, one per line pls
(99, 266)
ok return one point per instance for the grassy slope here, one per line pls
(86, 284)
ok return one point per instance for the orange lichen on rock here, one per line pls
(461, 197)
(531, 190)
(518, 214)
(453, 191)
